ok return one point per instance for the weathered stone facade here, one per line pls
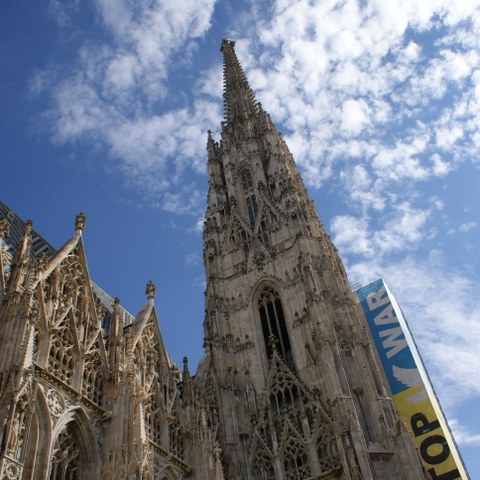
(289, 387)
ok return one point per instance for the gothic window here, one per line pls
(176, 437)
(262, 467)
(65, 463)
(295, 461)
(238, 234)
(326, 450)
(274, 328)
(252, 209)
(153, 424)
(250, 198)
(283, 395)
(359, 400)
(61, 355)
(92, 384)
(247, 183)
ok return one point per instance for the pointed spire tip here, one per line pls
(80, 221)
(226, 41)
(151, 289)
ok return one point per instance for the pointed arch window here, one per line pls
(274, 328)
(65, 463)
(153, 420)
(295, 460)
(247, 182)
(250, 198)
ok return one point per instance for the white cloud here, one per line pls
(352, 235)
(362, 189)
(404, 230)
(198, 226)
(401, 162)
(446, 137)
(355, 116)
(122, 72)
(466, 227)
(345, 45)
(439, 166)
(462, 434)
(411, 52)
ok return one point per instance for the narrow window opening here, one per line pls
(252, 208)
(274, 329)
(247, 182)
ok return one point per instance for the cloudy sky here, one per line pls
(105, 105)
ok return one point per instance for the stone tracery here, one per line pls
(65, 463)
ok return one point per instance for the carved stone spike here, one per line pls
(80, 221)
(151, 289)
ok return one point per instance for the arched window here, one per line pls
(176, 437)
(153, 420)
(274, 328)
(250, 198)
(65, 457)
(295, 460)
(61, 353)
(247, 182)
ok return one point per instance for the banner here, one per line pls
(412, 392)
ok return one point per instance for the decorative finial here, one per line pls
(151, 289)
(226, 41)
(116, 301)
(80, 221)
(28, 226)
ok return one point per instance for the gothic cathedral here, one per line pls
(289, 388)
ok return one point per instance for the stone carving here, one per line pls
(11, 470)
(291, 278)
(300, 319)
(230, 345)
(56, 402)
(230, 305)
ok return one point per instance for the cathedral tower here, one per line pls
(291, 384)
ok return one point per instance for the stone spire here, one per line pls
(256, 199)
(239, 101)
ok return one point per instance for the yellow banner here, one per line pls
(427, 434)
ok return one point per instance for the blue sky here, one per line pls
(105, 105)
